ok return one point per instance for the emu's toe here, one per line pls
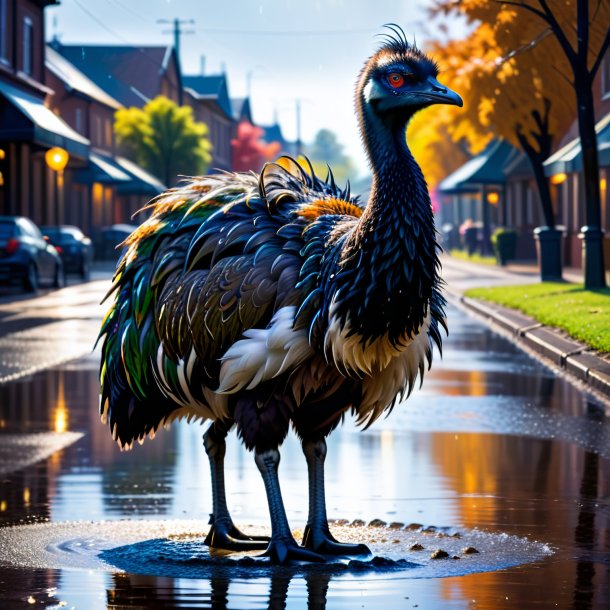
(229, 538)
(283, 550)
(322, 541)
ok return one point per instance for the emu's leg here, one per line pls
(317, 536)
(223, 534)
(282, 546)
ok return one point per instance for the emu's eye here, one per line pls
(396, 80)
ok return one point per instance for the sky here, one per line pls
(287, 50)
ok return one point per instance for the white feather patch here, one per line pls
(264, 353)
(356, 357)
(383, 388)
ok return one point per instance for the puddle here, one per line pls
(175, 549)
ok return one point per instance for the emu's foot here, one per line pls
(322, 541)
(227, 537)
(282, 550)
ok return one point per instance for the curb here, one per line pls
(573, 357)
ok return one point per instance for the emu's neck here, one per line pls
(394, 244)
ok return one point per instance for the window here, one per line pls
(78, 120)
(28, 45)
(108, 126)
(3, 29)
(98, 131)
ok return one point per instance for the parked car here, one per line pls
(111, 239)
(74, 247)
(26, 257)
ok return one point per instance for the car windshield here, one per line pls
(63, 235)
(7, 230)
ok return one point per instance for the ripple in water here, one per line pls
(175, 549)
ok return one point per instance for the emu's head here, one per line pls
(398, 80)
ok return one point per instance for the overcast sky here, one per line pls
(292, 49)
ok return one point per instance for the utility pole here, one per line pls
(177, 31)
(299, 143)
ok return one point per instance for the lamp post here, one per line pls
(57, 158)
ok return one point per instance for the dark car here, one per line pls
(111, 239)
(74, 247)
(25, 256)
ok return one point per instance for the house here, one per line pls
(28, 127)
(273, 133)
(208, 95)
(564, 170)
(107, 191)
(476, 191)
(516, 203)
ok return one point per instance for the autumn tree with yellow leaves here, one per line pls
(517, 81)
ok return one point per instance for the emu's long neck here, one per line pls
(394, 244)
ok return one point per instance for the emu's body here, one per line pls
(264, 302)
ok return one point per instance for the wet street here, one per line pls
(495, 448)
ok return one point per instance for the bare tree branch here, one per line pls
(567, 78)
(550, 18)
(582, 35)
(600, 56)
(527, 7)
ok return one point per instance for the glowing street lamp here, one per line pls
(493, 198)
(57, 158)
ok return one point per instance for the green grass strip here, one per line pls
(475, 258)
(583, 314)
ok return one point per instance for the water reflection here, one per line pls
(493, 441)
(218, 593)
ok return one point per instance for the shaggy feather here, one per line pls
(276, 298)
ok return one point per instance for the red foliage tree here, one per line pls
(249, 152)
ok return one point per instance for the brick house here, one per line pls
(28, 127)
(108, 190)
(209, 97)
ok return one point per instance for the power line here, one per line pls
(128, 9)
(285, 32)
(116, 35)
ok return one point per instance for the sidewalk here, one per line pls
(547, 343)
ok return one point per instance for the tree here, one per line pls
(325, 151)
(249, 152)
(580, 34)
(164, 138)
(513, 96)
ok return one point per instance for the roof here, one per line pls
(130, 75)
(272, 133)
(485, 168)
(212, 87)
(27, 118)
(241, 109)
(518, 166)
(142, 182)
(127, 175)
(568, 158)
(75, 80)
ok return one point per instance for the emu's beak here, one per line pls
(436, 93)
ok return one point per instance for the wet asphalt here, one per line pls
(494, 441)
